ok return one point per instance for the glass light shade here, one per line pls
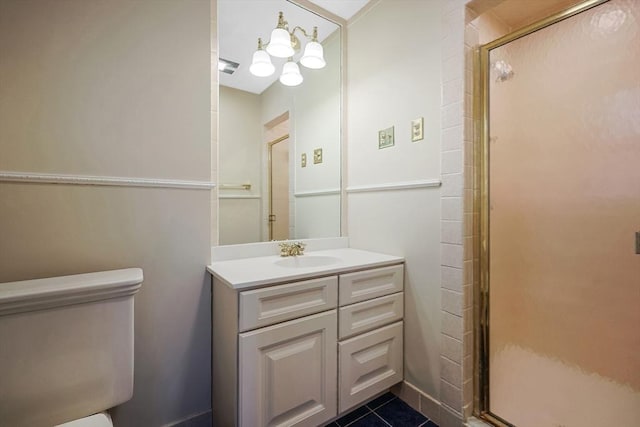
(280, 44)
(291, 74)
(313, 56)
(261, 65)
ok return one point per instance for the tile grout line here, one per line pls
(381, 405)
(383, 420)
(359, 418)
(372, 410)
(369, 409)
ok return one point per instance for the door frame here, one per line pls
(270, 145)
(481, 203)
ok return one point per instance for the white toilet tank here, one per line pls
(66, 346)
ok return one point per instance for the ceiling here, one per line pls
(241, 22)
(518, 13)
(343, 8)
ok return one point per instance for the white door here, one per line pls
(279, 189)
(288, 373)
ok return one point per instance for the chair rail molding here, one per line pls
(108, 181)
(392, 186)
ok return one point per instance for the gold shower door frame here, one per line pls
(481, 204)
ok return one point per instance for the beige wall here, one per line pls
(394, 76)
(427, 73)
(121, 89)
(317, 125)
(240, 147)
(490, 27)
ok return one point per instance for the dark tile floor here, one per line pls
(384, 411)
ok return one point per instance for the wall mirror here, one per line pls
(279, 155)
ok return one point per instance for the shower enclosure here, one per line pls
(559, 211)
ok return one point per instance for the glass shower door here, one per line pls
(564, 209)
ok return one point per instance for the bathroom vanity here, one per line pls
(301, 340)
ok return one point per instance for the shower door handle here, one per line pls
(637, 242)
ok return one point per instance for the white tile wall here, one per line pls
(452, 232)
(450, 371)
(451, 348)
(452, 114)
(456, 387)
(451, 395)
(452, 255)
(451, 278)
(452, 161)
(452, 325)
(452, 138)
(452, 185)
(452, 208)
(452, 302)
(451, 91)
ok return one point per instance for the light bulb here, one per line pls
(313, 56)
(261, 65)
(291, 74)
(280, 44)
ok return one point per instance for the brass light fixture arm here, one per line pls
(281, 22)
(312, 37)
(295, 41)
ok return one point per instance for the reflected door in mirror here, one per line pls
(279, 189)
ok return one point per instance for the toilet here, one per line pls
(66, 348)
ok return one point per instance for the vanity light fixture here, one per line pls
(284, 44)
(261, 65)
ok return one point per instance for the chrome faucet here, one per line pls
(291, 249)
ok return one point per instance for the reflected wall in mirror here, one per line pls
(269, 186)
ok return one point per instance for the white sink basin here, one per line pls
(306, 261)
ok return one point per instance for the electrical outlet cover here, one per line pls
(317, 156)
(417, 129)
(386, 138)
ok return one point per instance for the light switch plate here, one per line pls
(386, 138)
(303, 160)
(317, 156)
(417, 129)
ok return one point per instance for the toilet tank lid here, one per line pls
(42, 294)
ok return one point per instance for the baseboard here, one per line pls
(427, 405)
(476, 422)
(203, 419)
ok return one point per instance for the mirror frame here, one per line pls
(342, 24)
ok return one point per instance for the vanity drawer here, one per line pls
(368, 284)
(266, 306)
(371, 314)
(369, 364)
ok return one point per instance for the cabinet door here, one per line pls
(369, 363)
(287, 373)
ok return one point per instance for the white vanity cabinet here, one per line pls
(302, 352)
(369, 362)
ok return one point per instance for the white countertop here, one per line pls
(264, 270)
